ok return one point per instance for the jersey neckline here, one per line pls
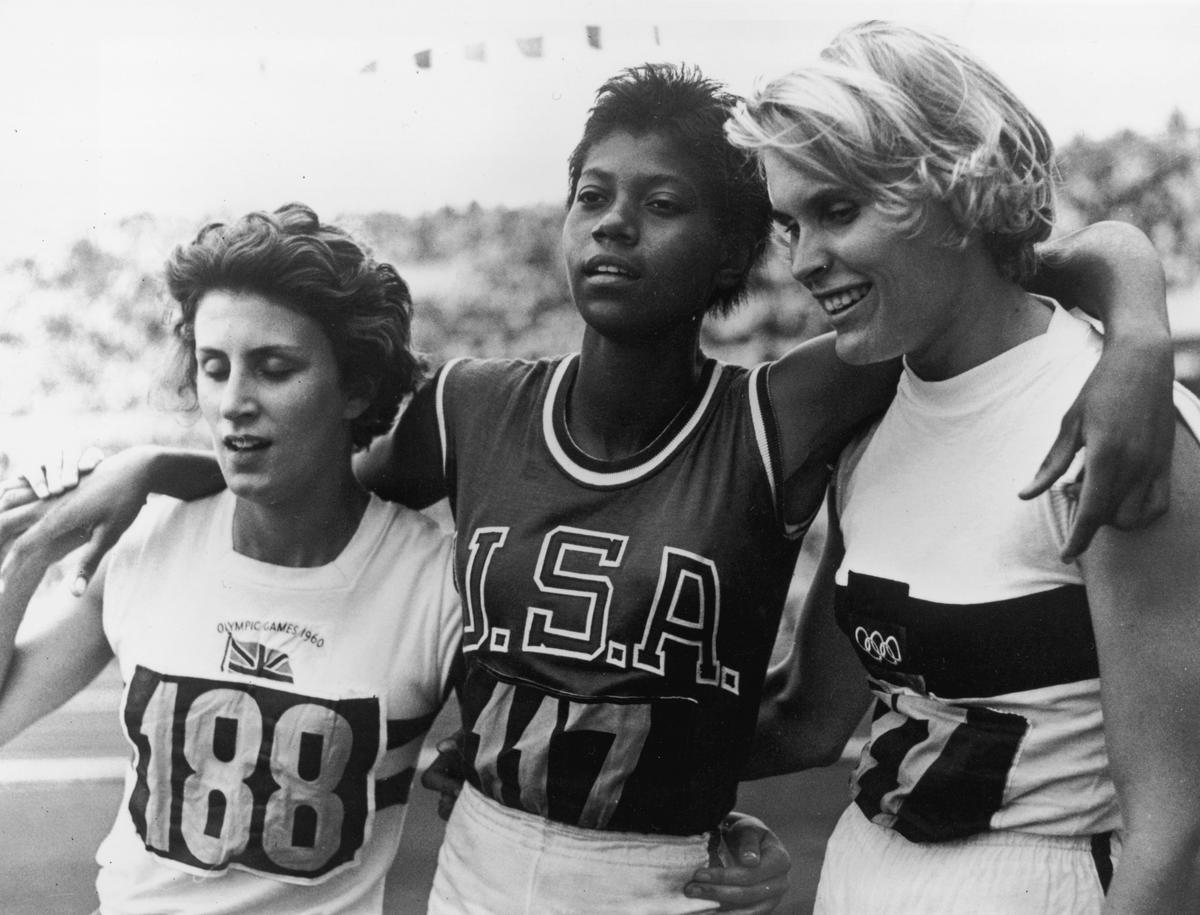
(576, 463)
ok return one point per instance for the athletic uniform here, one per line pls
(618, 616)
(984, 786)
(275, 714)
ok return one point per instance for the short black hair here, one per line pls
(679, 102)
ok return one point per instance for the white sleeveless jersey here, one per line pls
(274, 714)
(977, 638)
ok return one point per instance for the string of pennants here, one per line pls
(531, 46)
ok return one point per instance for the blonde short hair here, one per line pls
(908, 118)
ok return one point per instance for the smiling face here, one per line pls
(885, 292)
(269, 388)
(643, 252)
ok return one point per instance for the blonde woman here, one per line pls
(1035, 740)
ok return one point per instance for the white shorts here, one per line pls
(869, 868)
(499, 861)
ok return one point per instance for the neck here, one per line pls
(625, 395)
(305, 532)
(991, 316)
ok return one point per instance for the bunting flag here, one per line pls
(372, 67)
(530, 47)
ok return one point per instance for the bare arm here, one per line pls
(815, 698)
(819, 401)
(1123, 414)
(102, 507)
(43, 671)
(405, 465)
(1144, 590)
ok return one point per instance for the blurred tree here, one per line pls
(1151, 182)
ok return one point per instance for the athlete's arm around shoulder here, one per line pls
(48, 667)
(1143, 588)
(414, 462)
(814, 698)
(405, 464)
(818, 401)
(1124, 413)
(100, 509)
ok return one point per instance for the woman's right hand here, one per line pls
(56, 475)
(94, 514)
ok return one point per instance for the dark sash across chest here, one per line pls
(977, 649)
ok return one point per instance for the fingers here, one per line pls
(1141, 505)
(445, 774)
(1059, 458)
(754, 898)
(743, 836)
(15, 491)
(90, 459)
(757, 877)
(34, 551)
(61, 472)
(101, 541)
(35, 478)
(15, 521)
(446, 805)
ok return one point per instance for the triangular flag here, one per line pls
(475, 51)
(530, 47)
(371, 67)
(423, 59)
(593, 36)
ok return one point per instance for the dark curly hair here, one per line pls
(681, 104)
(317, 270)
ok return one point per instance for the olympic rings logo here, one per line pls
(877, 646)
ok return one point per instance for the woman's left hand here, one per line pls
(755, 877)
(1125, 417)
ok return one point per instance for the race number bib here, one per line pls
(242, 775)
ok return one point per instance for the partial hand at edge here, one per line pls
(61, 471)
(94, 514)
(1124, 416)
(754, 877)
(446, 773)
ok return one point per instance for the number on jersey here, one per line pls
(241, 774)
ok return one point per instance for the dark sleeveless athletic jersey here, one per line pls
(618, 616)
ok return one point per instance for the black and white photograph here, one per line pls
(579, 458)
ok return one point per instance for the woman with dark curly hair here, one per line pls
(275, 700)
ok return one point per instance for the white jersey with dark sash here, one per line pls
(976, 637)
(274, 714)
(618, 616)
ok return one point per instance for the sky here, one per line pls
(213, 108)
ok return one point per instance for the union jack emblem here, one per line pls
(256, 660)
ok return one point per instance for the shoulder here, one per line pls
(412, 533)
(488, 373)
(475, 387)
(163, 521)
